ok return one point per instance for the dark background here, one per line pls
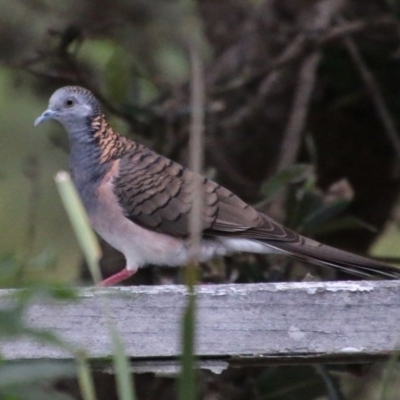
(287, 82)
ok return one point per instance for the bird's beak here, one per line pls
(48, 114)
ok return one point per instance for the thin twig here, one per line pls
(357, 26)
(292, 51)
(377, 98)
(324, 12)
(333, 389)
(293, 135)
(196, 145)
(310, 42)
(73, 74)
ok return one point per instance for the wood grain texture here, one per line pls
(254, 323)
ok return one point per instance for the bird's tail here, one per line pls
(314, 252)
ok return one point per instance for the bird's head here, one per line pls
(72, 106)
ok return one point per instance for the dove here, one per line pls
(140, 201)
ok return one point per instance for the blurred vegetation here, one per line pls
(342, 185)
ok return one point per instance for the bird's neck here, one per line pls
(93, 151)
(111, 145)
(86, 171)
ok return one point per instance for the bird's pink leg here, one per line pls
(118, 277)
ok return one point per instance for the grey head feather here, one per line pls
(76, 108)
(72, 106)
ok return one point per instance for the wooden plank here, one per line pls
(240, 324)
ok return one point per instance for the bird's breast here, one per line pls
(140, 246)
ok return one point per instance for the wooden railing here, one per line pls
(271, 323)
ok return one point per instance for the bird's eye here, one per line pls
(69, 103)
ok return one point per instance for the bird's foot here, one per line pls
(116, 278)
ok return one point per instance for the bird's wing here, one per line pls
(156, 193)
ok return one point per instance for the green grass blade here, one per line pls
(91, 250)
(388, 382)
(80, 223)
(187, 378)
(122, 369)
(85, 379)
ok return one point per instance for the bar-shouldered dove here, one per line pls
(140, 201)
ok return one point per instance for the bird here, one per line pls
(140, 201)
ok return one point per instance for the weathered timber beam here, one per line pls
(271, 323)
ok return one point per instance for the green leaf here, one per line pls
(11, 322)
(173, 61)
(91, 249)
(61, 292)
(289, 383)
(80, 223)
(389, 380)
(293, 174)
(85, 379)
(332, 384)
(122, 369)
(32, 372)
(58, 291)
(343, 223)
(323, 214)
(48, 337)
(187, 384)
(34, 392)
(300, 204)
(117, 74)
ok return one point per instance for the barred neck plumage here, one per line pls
(111, 144)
